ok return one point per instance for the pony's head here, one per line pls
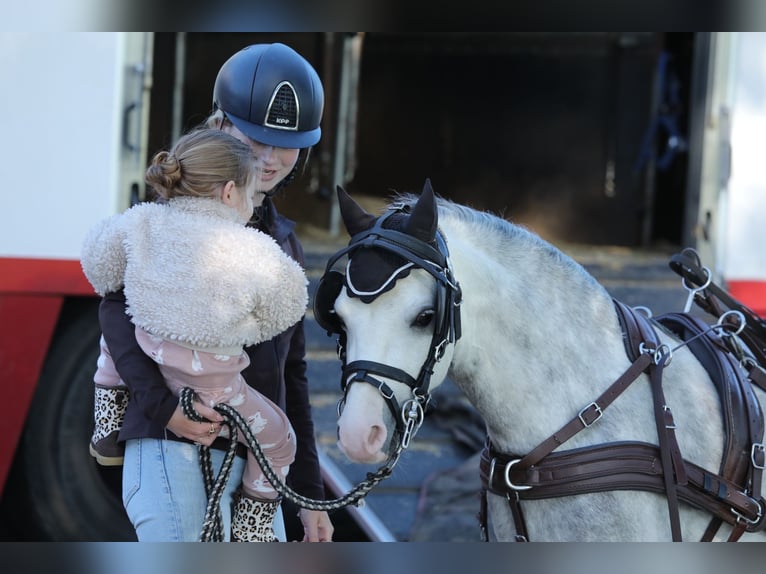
(396, 313)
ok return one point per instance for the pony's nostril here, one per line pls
(376, 438)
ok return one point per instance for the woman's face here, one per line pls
(273, 164)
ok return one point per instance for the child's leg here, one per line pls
(253, 518)
(216, 379)
(109, 406)
(258, 500)
(275, 436)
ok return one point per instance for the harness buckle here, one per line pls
(515, 487)
(382, 390)
(742, 518)
(754, 450)
(439, 350)
(595, 408)
(669, 422)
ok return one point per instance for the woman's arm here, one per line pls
(143, 378)
(137, 370)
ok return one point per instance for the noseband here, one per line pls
(420, 255)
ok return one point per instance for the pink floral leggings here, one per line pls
(216, 379)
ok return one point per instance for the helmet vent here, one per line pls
(283, 109)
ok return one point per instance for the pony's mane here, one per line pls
(495, 232)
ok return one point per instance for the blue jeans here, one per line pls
(164, 494)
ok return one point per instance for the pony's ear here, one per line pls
(355, 218)
(424, 220)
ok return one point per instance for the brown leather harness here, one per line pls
(731, 495)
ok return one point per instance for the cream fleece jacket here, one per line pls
(194, 274)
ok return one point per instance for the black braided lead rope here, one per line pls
(234, 421)
(212, 525)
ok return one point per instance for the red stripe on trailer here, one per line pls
(752, 294)
(43, 276)
(32, 292)
(26, 327)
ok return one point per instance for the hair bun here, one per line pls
(164, 173)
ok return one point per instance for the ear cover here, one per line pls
(324, 300)
(423, 220)
(354, 216)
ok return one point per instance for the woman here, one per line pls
(269, 97)
(199, 286)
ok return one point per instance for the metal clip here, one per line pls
(646, 311)
(661, 353)
(742, 322)
(412, 420)
(693, 291)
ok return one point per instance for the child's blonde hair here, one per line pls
(199, 163)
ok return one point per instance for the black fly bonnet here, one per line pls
(382, 251)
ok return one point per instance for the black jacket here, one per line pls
(277, 369)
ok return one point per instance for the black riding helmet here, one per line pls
(272, 95)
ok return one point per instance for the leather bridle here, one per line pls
(418, 254)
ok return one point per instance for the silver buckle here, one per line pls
(742, 518)
(757, 446)
(599, 413)
(508, 477)
(382, 392)
(666, 409)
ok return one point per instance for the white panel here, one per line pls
(61, 102)
(745, 238)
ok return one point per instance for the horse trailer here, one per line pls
(568, 133)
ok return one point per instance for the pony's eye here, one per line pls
(424, 319)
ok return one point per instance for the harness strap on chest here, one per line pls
(732, 496)
(617, 466)
(588, 415)
(642, 337)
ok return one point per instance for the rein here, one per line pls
(717, 302)
(212, 526)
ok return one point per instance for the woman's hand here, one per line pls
(203, 433)
(316, 526)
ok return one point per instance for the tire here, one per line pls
(60, 492)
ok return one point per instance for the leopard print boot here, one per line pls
(109, 410)
(253, 518)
